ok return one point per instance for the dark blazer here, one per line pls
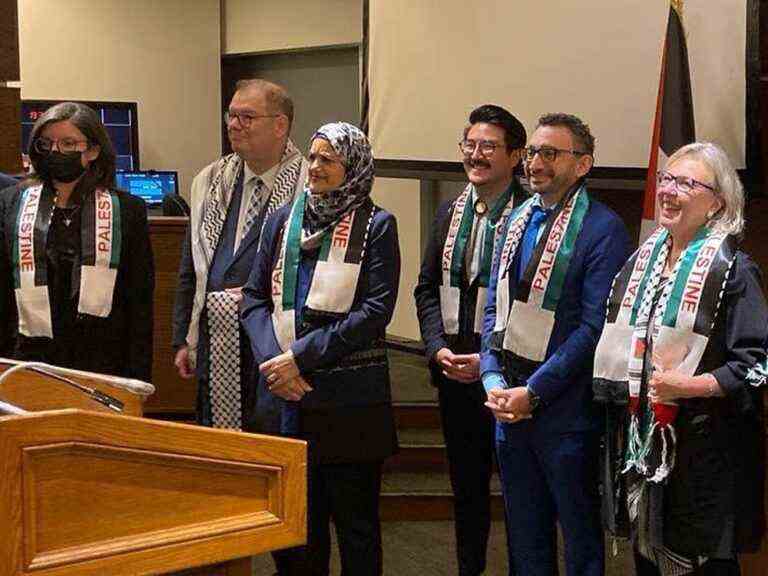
(348, 416)
(719, 477)
(564, 380)
(6, 181)
(427, 294)
(714, 494)
(236, 275)
(120, 344)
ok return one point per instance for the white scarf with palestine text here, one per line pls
(100, 246)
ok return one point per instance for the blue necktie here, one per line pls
(538, 217)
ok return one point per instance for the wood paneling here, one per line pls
(9, 41)
(10, 130)
(173, 394)
(89, 494)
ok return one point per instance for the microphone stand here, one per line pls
(97, 395)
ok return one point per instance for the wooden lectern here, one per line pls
(89, 492)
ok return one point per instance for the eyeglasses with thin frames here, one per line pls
(681, 184)
(65, 145)
(245, 119)
(486, 147)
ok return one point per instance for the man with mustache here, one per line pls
(230, 200)
(546, 304)
(450, 300)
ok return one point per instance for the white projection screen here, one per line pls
(432, 61)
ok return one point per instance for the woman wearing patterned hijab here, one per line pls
(685, 328)
(321, 294)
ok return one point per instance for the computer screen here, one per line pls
(151, 185)
(119, 118)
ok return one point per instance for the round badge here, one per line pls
(480, 207)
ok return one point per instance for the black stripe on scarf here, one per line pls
(40, 240)
(88, 231)
(710, 296)
(357, 235)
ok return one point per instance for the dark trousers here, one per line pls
(714, 567)
(547, 478)
(348, 494)
(468, 428)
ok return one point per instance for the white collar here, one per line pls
(267, 177)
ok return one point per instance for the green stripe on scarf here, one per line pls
(676, 296)
(325, 247)
(564, 253)
(292, 253)
(484, 276)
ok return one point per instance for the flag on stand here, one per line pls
(673, 125)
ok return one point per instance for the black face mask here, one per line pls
(60, 167)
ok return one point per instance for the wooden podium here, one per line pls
(89, 492)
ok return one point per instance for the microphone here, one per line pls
(96, 395)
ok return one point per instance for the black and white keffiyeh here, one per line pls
(222, 182)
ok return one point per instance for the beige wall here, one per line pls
(597, 59)
(251, 26)
(401, 198)
(163, 55)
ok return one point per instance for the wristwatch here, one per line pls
(533, 399)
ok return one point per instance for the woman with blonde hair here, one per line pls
(685, 327)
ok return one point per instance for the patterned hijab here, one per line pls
(323, 211)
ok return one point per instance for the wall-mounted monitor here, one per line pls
(151, 185)
(120, 119)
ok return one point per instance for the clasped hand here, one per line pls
(666, 386)
(283, 377)
(460, 367)
(509, 405)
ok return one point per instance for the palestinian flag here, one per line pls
(673, 124)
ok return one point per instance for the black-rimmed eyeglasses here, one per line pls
(549, 154)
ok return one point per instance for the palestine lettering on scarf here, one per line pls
(643, 258)
(695, 283)
(26, 227)
(104, 223)
(453, 231)
(340, 237)
(550, 248)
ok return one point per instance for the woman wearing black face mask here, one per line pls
(76, 268)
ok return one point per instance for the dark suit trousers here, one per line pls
(468, 427)
(348, 494)
(547, 478)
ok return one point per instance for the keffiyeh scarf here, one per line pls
(526, 328)
(679, 326)
(455, 246)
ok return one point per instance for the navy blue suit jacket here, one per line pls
(564, 380)
(335, 413)
(6, 181)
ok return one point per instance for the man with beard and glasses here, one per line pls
(230, 201)
(450, 300)
(546, 304)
